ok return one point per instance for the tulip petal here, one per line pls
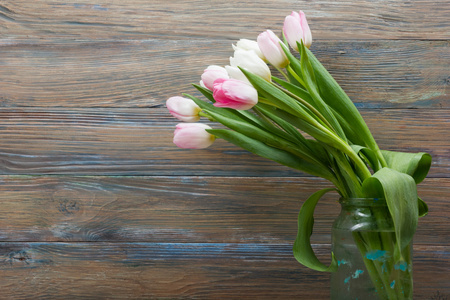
(269, 44)
(234, 94)
(296, 28)
(183, 109)
(192, 136)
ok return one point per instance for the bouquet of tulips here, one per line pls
(304, 120)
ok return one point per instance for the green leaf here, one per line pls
(338, 100)
(238, 115)
(368, 155)
(316, 132)
(316, 149)
(350, 132)
(289, 105)
(296, 90)
(313, 89)
(278, 155)
(206, 92)
(268, 112)
(268, 138)
(292, 79)
(423, 207)
(294, 63)
(302, 249)
(277, 97)
(416, 165)
(400, 192)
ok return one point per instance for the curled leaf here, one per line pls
(303, 251)
(400, 192)
(416, 165)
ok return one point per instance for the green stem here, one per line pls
(361, 167)
(373, 242)
(406, 288)
(309, 106)
(348, 176)
(206, 115)
(264, 117)
(283, 73)
(342, 183)
(373, 273)
(293, 74)
(381, 158)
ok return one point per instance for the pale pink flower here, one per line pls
(192, 136)
(233, 93)
(245, 44)
(211, 74)
(269, 44)
(296, 28)
(183, 109)
(250, 61)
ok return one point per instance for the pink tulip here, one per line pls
(211, 74)
(233, 93)
(296, 28)
(183, 109)
(192, 136)
(269, 44)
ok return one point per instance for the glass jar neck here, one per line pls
(362, 202)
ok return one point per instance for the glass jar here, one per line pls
(363, 242)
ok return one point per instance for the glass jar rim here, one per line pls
(363, 201)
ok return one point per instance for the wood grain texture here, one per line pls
(82, 91)
(139, 142)
(182, 209)
(182, 271)
(141, 19)
(400, 74)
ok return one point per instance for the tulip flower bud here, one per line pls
(234, 94)
(245, 44)
(211, 74)
(270, 46)
(296, 28)
(183, 109)
(251, 62)
(192, 136)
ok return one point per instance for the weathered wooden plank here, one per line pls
(182, 209)
(139, 142)
(189, 270)
(82, 87)
(141, 19)
(145, 73)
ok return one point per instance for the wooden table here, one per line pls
(96, 201)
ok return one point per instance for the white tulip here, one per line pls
(235, 73)
(250, 61)
(245, 44)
